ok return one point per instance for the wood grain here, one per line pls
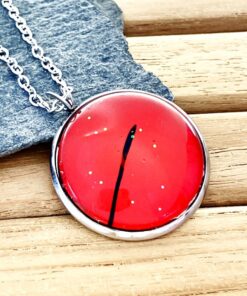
(26, 189)
(43, 251)
(145, 17)
(58, 256)
(207, 73)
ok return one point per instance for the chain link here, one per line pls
(54, 102)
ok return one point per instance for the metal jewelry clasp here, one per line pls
(65, 98)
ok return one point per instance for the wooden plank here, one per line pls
(26, 188)
(58, 256)
(156, 17)
(207, 73)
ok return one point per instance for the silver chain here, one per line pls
(54, 102)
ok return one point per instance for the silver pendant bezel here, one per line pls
(120, 234)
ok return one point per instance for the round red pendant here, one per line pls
(130, 161)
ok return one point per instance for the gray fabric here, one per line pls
(85, 41)
(110, 9)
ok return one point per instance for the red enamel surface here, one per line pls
(163, 171)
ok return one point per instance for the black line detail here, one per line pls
(126, 150)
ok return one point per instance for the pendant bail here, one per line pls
(65, 98)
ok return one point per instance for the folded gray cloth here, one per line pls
(85, 40)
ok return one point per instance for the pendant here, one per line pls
(130, 165)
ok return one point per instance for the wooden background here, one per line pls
(199, 49)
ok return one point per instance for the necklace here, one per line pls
(127, 164)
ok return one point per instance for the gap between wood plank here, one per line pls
(159, 17)
(206, 73)
(56, 255)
